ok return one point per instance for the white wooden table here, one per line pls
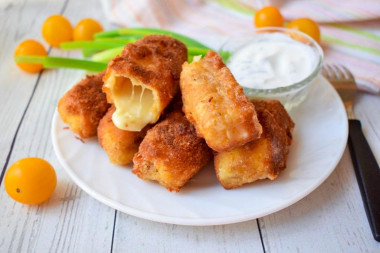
(330, 219)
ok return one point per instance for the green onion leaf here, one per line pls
(61, 62)
(107, 55)
(197, 51)
(120, 39)
(30, 59)
(90, 45)
(87, 52)
(145, 31)
(225, 55)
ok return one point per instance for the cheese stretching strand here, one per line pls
(216, 105)
(120, 145)
(143, 79)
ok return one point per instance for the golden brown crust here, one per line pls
(171, 153)
(84, 105)
(173, 52)
(154, 60)
(174, 106)
(278, 112)
(215, 104)
(262, 158)
(120, 145)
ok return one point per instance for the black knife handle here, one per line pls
(367, 173)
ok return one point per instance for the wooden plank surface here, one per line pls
(147, 236)
(19, 20)
(330, 219)
(70, 221)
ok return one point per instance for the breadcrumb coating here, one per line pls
(143, 80)
(171, 153)
(120, 145)
(262, 158)
(215, 104)
(84, 105)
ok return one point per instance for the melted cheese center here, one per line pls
(135, 107)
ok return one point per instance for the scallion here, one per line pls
(145, 31)
(61, 62)
(90, 45)
(107, 55)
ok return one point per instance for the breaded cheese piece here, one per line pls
(216, 105)
(262, 158)
(120, 145)
(171, 153)
(143, 79)
(84, 105)
(279, 113)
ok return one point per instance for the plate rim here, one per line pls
(187, 221)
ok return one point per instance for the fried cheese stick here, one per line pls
(84, 105)
(171, 153)
(143, 79)
(216, 105)
(120, 145)
(262, 158)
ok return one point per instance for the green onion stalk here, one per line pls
(61, 62)
(146, 31)
(107, 45)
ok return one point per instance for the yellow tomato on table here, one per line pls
(30, 180)
(306, 25)
(57, 29)
(86, 28)
(268, 16)
(30, 47)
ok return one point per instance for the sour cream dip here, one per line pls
(272, 60)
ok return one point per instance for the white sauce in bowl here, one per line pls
(272, 60)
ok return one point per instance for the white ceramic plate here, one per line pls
(320, 137)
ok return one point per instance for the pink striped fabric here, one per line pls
(350, 28)
(323, 11)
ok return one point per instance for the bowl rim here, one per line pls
(290, 88)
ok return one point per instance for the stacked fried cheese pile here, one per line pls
(171, 117)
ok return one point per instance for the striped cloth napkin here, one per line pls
(350, 29)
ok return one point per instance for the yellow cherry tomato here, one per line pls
(30, 180)
(306, 25)
(268, 16)
(86, 28)
(30, 47)
(57, 29)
